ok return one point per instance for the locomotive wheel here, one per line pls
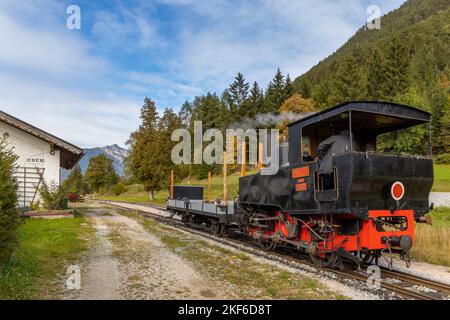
(219, 229)
(367, 258)
(371, 257)
(267, 245)
(330, 261)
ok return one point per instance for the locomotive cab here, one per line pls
(362, 174)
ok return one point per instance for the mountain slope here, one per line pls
(421, 25)
(114, 152)
(406, 61)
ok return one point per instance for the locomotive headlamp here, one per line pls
(397, 190)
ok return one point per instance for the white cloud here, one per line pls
(84, 119)
(48, 77)
(256, 37)
(127, 29)
(33, 47)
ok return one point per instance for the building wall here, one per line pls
(33, 153)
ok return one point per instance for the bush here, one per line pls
(53, 197)
(119, 188)
(9, 215)
(443, 158)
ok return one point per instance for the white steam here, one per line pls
(268, 120)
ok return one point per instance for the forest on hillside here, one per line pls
(406, 61)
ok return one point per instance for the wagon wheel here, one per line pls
(219, 229)
(190, 220)
(267, 245)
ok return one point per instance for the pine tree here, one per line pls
(186, 113)
(396, 68)
(444, 136)
(304, 89)
(149, 115)
(141, 148)
(162, 162)
(211, 110)
(376, 76)
(256, 100)
(288, 87)
(346, 83)
(239, 90)
(275, 93)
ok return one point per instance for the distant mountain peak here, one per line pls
(115, 152)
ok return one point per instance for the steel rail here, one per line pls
(402, 276)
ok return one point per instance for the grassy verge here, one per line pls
(441, 178)
(249, 278)
(432, 243)
(137, 197)
(47, 247)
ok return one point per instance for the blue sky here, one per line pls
(87, 85)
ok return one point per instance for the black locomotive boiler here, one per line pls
(364, 205)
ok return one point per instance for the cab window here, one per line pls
(306, 149)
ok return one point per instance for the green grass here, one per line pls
(139, 197)
(441, 178)
(441, 217)
(46, 248)
(432, 243)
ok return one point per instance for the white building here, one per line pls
(41, 156)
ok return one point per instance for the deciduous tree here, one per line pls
(100, 174)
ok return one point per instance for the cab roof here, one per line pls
(378, 115)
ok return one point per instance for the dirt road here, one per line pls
(127, 262)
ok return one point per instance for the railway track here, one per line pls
(402, 284)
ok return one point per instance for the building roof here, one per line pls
(70, 154)
(382, 108)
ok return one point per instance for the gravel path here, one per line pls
(440, 199)
(350, 290)
(127, 262)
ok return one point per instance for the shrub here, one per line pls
(119, 188)
(9, 215)
(53, 197)
(443, 158)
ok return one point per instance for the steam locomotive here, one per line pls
(363, 210)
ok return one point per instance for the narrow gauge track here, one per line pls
(402, 287)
